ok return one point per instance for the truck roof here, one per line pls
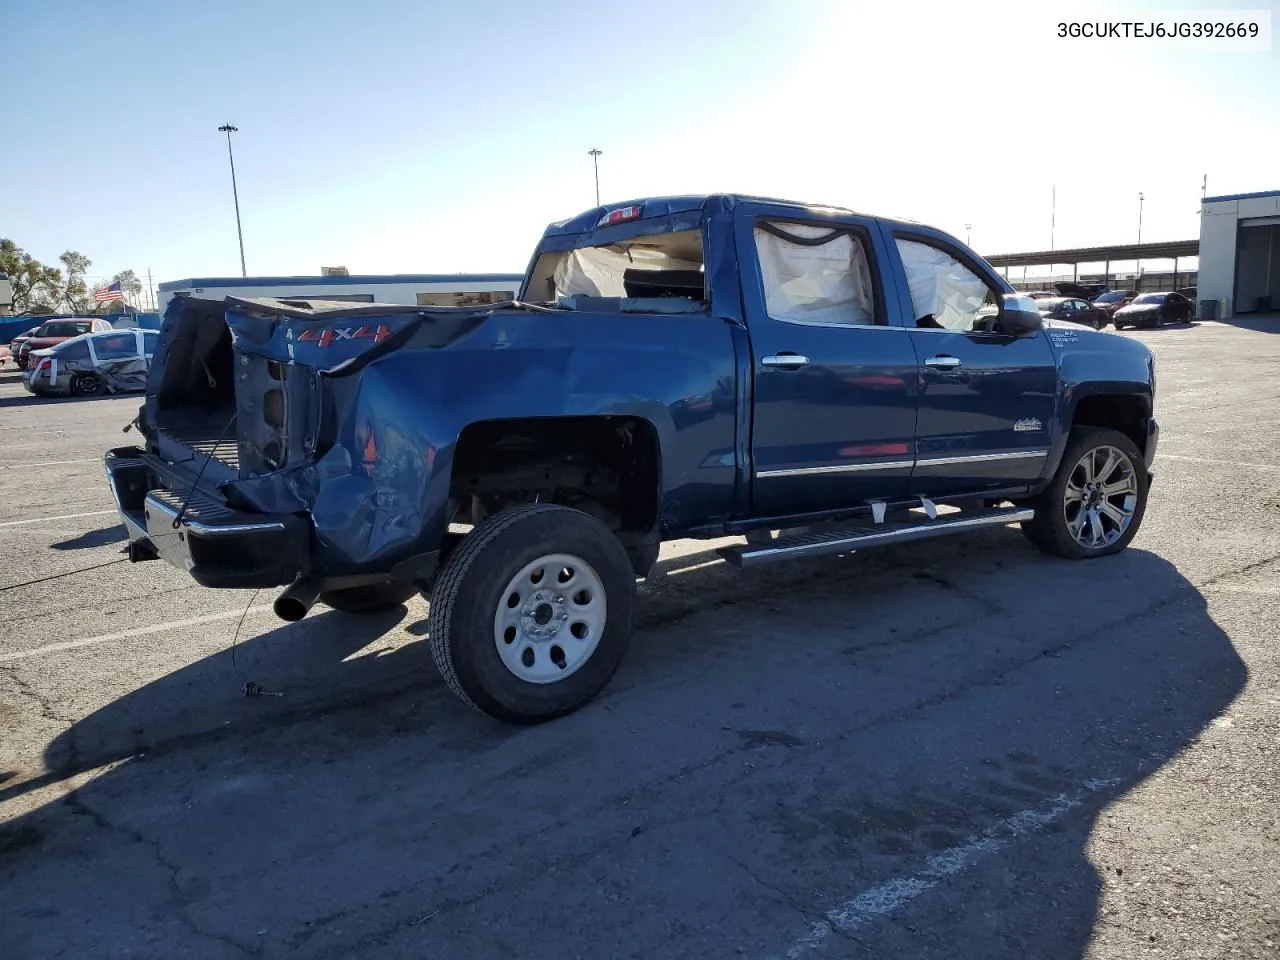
(586, 221)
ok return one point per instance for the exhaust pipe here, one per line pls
(297, 600)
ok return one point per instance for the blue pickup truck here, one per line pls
(806, 379)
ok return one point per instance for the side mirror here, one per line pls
(1018, 315)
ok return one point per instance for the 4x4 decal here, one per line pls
(328, 335)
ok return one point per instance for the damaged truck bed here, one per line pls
(814, 380)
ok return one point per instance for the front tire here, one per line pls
(531, 615)
(371, 598)
(1096, 502)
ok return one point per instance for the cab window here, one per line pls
(945, 294)
(815, 274)
(116, 346)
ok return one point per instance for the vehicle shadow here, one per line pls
(32, 399)
(1260, 322)
(1173, 325)
(94, 538)
(793, 735)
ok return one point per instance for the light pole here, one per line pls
(595, 161)
(968, 227)
(228, 129)
(1139, 218)
(1053, 215)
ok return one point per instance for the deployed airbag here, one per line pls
(941, 286)
(814, 274)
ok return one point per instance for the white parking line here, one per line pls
(888, 897)
(130, 634)
(65, 516)
(48, 463)
(1225, 463)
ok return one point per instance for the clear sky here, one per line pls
(411, 136)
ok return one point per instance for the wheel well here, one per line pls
(1128, 414)
(605, 466)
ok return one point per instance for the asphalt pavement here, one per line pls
(956, 749)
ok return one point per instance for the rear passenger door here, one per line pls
(987, 399)
(834, 383)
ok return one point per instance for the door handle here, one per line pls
(785, 360)
(943, 362)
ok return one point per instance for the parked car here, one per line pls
(90, 365)
(814, 380)
(15, 345)
(1081, 291)
(54, 332)
(1153, 309)
(1113, 300)
(1073, 310)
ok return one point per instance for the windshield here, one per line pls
(1045, 306)
(1112, 297)
(1151, 298)
(63, 328)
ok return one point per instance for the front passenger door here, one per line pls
(987, 399)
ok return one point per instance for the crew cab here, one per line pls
(809, 380)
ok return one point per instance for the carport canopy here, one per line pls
(1169, 250)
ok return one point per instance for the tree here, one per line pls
(36, 287)
(129, 283)
(75, 292)
(41, 289)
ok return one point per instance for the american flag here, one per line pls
(106, 294)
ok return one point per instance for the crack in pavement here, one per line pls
(79, 807)
(32, 693)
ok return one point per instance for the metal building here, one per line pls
(1240, 254)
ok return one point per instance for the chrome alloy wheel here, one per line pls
(550, 619)
(1101, 495)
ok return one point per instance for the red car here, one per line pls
(1113, 300)
(54, 332)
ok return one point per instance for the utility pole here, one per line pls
(1139, 217)
(151, 290)
(595, 162)
(968, 228)
(228, 129)
(1053, 216)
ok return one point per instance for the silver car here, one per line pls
(93, 364)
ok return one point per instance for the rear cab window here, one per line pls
(630, 264)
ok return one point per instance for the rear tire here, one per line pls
(1096, 502)
(85, 384)
(531, 615)
(371, 598)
